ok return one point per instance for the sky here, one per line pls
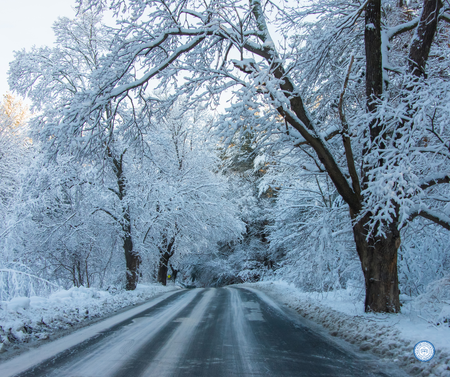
(24, 23)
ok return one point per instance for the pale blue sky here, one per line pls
(24, 23)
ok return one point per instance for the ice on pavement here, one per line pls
(164, 363)
(254, 311)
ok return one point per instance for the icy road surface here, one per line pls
(200, 332)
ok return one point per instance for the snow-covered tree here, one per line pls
(191, 213)
(154, 163)
(52, 76)
(13, 145)
(364, 108)
(58, 231)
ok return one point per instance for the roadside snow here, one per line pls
(390, 336)
(24, 319)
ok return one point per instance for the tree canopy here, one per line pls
(351, 95)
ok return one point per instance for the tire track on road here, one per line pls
(168, 358)
(103, 353)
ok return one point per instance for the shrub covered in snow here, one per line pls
(434, 304)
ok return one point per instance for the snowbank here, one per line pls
(390, 336)
(24, 319)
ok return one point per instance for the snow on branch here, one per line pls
(107, 212)
(179, 51)
(328, 135)
(402, 28)
(435, 180)
(195, 14)
(14, 283)
(445, 16)
(350, 20)
(407, 26)
(246, 65)
(433, 216)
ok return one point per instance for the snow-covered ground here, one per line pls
(24, 320)
(390, 336)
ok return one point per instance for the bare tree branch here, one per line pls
(107, 212)
(346, 136)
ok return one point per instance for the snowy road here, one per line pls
(200, 332)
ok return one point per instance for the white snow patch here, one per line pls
(254, 311)
(24, 319)
(18, 303)
(116, 350)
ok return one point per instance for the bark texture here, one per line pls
(378, 257)
(377, 251)
(423, 37)
(374, 65)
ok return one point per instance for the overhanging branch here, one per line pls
(433, 216)
(435, 181)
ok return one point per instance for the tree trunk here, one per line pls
(166, 251)
(88, 284)
(132, 261)
(378, 256)
(174, 273)
(80, 277)
(132, 258)
(163, 266)
(423, 37)
(377, 253)
(374, 65)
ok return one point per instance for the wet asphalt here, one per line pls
(213, 332)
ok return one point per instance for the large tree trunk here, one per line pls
(378, 256)
(377, 253)
(374, 65)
